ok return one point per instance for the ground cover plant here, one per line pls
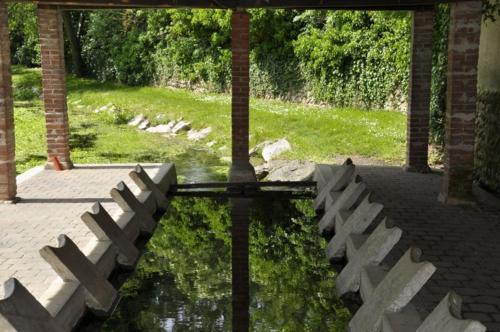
(316, 133)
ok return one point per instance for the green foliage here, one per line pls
(487, 158)
(439, 69)
(114, 47)
(355, 58)
(23, 32)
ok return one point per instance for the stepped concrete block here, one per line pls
(407, 320)
(129, 203)
(372, 251)
(106, 229)
(322, 173)
(356, 223)
(72, 265)
(145, 183)
(345, 201)
(165, 177)
(339, 181)
(393, 293)
(447, 317)
(20, 311)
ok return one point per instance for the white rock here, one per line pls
(275, 149)
(211, 143)
(143, 125)
(258, 148)
(162, 129)
(290, 170)
(181, 126)
(223, 148)
(136, 120)
(196, 135)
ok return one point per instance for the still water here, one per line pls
(183, 281)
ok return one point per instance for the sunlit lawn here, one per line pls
(315, 133)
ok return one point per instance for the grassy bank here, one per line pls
(315, 133)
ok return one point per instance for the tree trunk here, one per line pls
(76, 57)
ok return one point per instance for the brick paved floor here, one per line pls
(51, 204)
(463, 242)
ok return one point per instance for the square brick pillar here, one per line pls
(417, 142)
(241, 169)
(7, 139)
(50, 29)
(463, 54)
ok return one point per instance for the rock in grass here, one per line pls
(285, 170)
(181, 126)
(272, 150)
(143, 125)
(196, 135)
(137, 120)
(211, 143)
(290, 170)
(162, 129)
(258, 148)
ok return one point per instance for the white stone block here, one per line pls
(407, 320)
(145, 183)
(372, 251)
(344, 201)
(341, 178)
(72, 265)
(356, 223)
(447, 317)
(129, 203)
(105, 229)
(20, 311)
(393, 293)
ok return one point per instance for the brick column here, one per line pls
(54, 84)
(7, 139)
(420, 92)
(241, 170)
(463, 54)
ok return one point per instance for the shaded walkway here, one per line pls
(463, 242)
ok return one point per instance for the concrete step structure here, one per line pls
(83, 283)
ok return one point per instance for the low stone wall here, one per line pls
(487, 156)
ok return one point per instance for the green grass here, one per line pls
(315, 133)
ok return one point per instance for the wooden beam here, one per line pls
(232, 4)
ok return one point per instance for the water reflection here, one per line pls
(183, 281)
(240, 217)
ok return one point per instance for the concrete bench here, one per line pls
(20, 311)
(340, 179)
(393, 292)
(447, 317)
(365, 250)
(345, 201)
(347, 223)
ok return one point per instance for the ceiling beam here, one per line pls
(290, 4)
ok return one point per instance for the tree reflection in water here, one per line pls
(183, 281)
